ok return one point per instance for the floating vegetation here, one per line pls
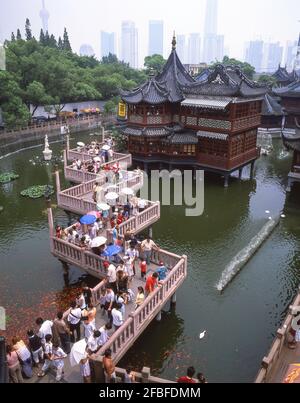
(1, 209)
(41, 162)
(35, 192)
(8, 177)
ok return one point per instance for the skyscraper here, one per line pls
(129, 41)
(107, 43)
(254, 54)
(220, 48)
(156, 38)
(297, 59)
(44, 14)
(211, 18)
(210, 39)
(180, 48)
(290, 54)
(274, 56)
(194, 49)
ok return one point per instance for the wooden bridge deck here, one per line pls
(280, 356)
(79, 199)
(80, 176)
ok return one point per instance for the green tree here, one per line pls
(36, 95)
(247, 69)
(109, 107)
(66, 42)
(154, 63)
(14, 111)
(110, 59)
(267, 79)
(60, 44)
(28, 32)
(42, 37)
(52, 42)
(19, 36)
(13, 38)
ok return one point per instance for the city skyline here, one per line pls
(61, 14)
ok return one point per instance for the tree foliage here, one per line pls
(247, 69)
(154, 64)
(47, 72)
(267, 79)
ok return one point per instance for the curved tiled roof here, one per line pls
(226, 81)
(151, 92)
(271, 107)
(291, 90)
(165, 87)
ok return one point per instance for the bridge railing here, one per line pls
(78, 198)
(74, 175)
(269, 362)
(139, 222)
(77, 256)
(124, 337)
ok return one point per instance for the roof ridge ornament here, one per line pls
(174, 41)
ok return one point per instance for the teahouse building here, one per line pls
(209, 124)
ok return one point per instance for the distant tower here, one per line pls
(297, 60)
(44, 14)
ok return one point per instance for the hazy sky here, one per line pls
(239, 20)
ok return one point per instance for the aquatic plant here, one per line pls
(8, 177)
(35, 192)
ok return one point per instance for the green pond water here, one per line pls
(241, 322)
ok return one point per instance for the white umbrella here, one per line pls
(111, 196)
(103, 207)
(78, 352)
(80, 144)
(106, 148)
(97, 159)
(127, 191)
(202, 335)
(99, 241)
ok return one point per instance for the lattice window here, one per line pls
(214, 147)
(216, 124)
(237, 146)
(176, 118)
(183, 119)
(136, 119)
(154, 120)
(191, 121)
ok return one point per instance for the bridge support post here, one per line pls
(68, 143)
(150, 232)
(226, 181)
(240, 173)
(252, 170)
(158, 317)
(289, 185)
(173, 301)
(57, 180)
(145, 375)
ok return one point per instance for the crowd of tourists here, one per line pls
(50, 343)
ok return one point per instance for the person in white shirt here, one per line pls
(80, 301)
(93, 343)
(117, 317)
(58, 356)
(133, 254)
(141, 205)
(109, 300)
(45, 327)
(104, 333)
(147, 246)
(112, 276)
(74, 318)
(121, 300)
(48, 352)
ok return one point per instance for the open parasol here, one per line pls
(78, 352)
(99, 241)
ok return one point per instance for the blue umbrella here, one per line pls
(112, 250)
(88, 219)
